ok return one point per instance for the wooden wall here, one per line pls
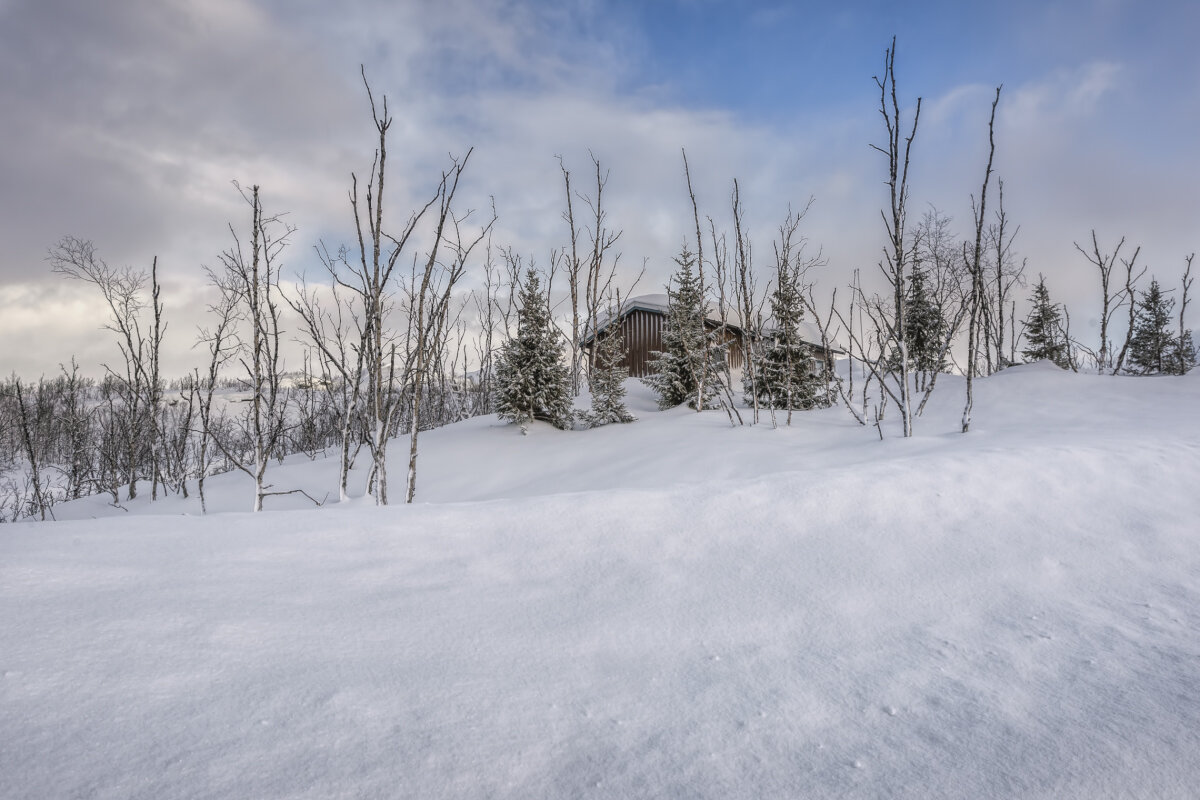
(642, 332)
(734, 352)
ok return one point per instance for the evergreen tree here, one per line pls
(1043, 329)
(532, 379)
(607, 378)
(784, 377)
(689, 358)
(1153, 343)
(1183, 355)
(924, 327)
(924, 330)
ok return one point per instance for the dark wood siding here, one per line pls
(733, 354)
(642, 331)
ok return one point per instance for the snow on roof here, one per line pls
(649, 302)
(659, 303)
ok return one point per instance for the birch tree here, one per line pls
(251, 283)
(749, 308)
(430, 300)
(1006, 274)
(1112, 299)
(389, 359)
(334, 330)
(1186, 351)
(139, 341)
(1130, 299)
(895, 265)
(974, 262)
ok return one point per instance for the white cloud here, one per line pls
(1065, 95)
(130, 133)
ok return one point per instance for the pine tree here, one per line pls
(607, 378)
(783, 369)
(1153, 343)
(925, 327)
(924, 331)
(1043, 329)
(532, 379)
(1183, 355)
(689, 358)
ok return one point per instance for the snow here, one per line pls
(670, 608)
(651, 302)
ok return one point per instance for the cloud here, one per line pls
(1069, 163)
(126, 122)
(1065, 95)
(159, 106)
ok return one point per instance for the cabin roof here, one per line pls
(659, 303)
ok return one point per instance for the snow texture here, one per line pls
(672, 608)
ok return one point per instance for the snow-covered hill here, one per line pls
(674, 608)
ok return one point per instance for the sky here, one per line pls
(126, 123)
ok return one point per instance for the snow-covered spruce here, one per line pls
(607, 378)
(690, 362)
(532, 379)
(785, 375)
(926, 328)
(1044, 334)
(1154, 349)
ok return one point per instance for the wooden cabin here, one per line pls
(641, 322)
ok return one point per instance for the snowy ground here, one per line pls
(673, 608)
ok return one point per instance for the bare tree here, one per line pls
(389, 361)
(251, 281)
(75, 419)
(844, 390)
(936, 251)
(589, 272)
(138, 382)
(372, 280)
(601, 272)
(722, 276)
(895, 264)
(1074, 347)
(573, 266)
(176, 434)
(1130, 301)
(1111, 301)
(749, 307)
(222, 345)
(704, 374)
(27, 427)
(373, 283)
(1185, 349)
(1006, 273)
(154, 386)
(880, 340)
(974, 262)
(432, 304)
(337, 335)
(486, 301)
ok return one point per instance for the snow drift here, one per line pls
(673, 608)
